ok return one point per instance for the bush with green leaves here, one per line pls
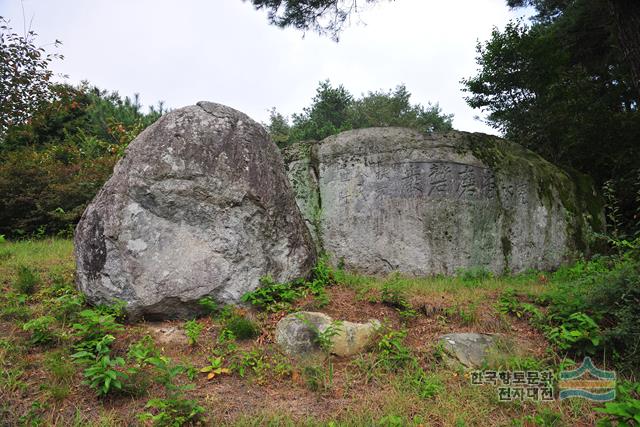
(92, 327)
(209, 305)
(66, 306)
(394, 296)
(104, 375)
(579, 333)
(58, 364)
(625, 411)
(509, 303)
(193, 330)
(52, 165)
(26, 281)
(241, 327)
(474, 275)
(173, 411)
(41, 330)
(15, 307)
(606, 291)
(319, 378)
(393, 354)
(273, 296)
(143, 350)
(421, 383)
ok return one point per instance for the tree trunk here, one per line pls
(626, 14)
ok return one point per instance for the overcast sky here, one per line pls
(224, 51)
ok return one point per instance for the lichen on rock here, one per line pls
(394, 199)
(199, 206)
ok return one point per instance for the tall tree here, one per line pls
(626, 14)
(562, 87)
(335, 109)
(24, 76)
(621, 17)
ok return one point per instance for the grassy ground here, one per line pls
(41, 384)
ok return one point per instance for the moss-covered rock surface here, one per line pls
(394, 199)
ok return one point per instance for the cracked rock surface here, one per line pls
(199, 206)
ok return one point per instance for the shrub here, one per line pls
(92, 325)
(614, 301)
(242, 328)
(209, 305)
(59, 366)
(143, 350)
(474, 275)
(272, 296)
(393, 354)
(47, 189)
(40, 329)
(578, 332)
(422, 384)
(103, 375)
(592, 307)
(393, 296)
(27, 280)
(318, 377)
(193, 329)
(625, 411)
(172, 412)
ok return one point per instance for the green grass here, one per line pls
(41, 380)
(454, 287)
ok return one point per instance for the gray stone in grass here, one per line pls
(468, 348)
(297, 334)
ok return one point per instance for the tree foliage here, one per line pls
(52, 165)
(24, 76)
(622, 17)
(335, 109)
(561, 87)
(323, 16)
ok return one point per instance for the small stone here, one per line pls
(297, 334)
(468, 348)
(353, 338)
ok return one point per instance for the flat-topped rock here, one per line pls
(394, 199)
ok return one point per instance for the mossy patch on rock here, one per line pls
(394, 199)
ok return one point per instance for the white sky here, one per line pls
(184, 51)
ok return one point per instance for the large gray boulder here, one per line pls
(199, 206)
(395, 199)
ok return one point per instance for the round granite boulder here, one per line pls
(199, 206)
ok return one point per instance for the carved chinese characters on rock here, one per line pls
(433, 180)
